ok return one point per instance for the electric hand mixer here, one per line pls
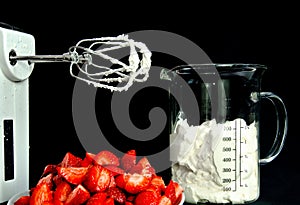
(17, 58)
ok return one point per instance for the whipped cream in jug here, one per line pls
(216, 162)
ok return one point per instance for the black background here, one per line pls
(244, 34)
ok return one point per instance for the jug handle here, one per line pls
(281, 130)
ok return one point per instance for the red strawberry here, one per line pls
(62, 191)
(178, 192)
(23, 200)
(112, 182)
(154, 189)
(115, 170)
(109, 201)
(174, 192)
(97, 179)
(106, 158)
(128, 203)
(121, 180)
(146, 198)
(73, 175)
(97, 199)
(57, 179)
(130, 198)
(50, 168)
(170, 192)
(117, 194)
(88, 160)
(41, 194)
(164, 201)
(78, 196)
(158, 182)
(46, 179)
(136, 183)
(48, 203)
(143, 167)
(57, 202)
(128, 160)
(70, 160)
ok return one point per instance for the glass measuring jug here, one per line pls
(214, 120)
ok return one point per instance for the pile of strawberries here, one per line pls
(102, 178)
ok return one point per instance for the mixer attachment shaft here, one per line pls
(49, 58)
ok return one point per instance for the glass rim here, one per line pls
(219, 67)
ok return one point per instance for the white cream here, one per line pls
(216, 163)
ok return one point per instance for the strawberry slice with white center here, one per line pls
(73, 175)
(164, 201)
(174, 192)
(70, 160)
(97, 179)
(106, 158)
(78, 196)
(158, 182)
(128, 160)
(143, 167)
(41, 194)
(88, 159)
(61, 192)
(136, 183)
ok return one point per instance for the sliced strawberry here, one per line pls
(48, 179)
(57, 179)
(164, 201)
(97, 199)
(57, 202)
(88, 160)
(115, 170)
(178, 192)
(146, 198)
(128, 203)
(143, 167)
(106, 158)
(50, 168)
(23, 200)
(130, 198)
(136, 183)
(117, 194)
(109, 201)
(154, 189)
(48, 203)
(170, 192)
(128, 160)
(178, 200)
(157, 181)
(121, 180)
(97, 179)
(112, 182)
(70, 160)
(78, 196)
(41, 194)
(62, 191)
(73, 175)
(174, 192)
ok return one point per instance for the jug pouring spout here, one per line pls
(166, 74)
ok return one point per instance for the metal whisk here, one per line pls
(83, 56)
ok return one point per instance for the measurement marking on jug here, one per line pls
(240, 137)
(236, 161)
(233, 159)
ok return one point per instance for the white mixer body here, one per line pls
(14, 113)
